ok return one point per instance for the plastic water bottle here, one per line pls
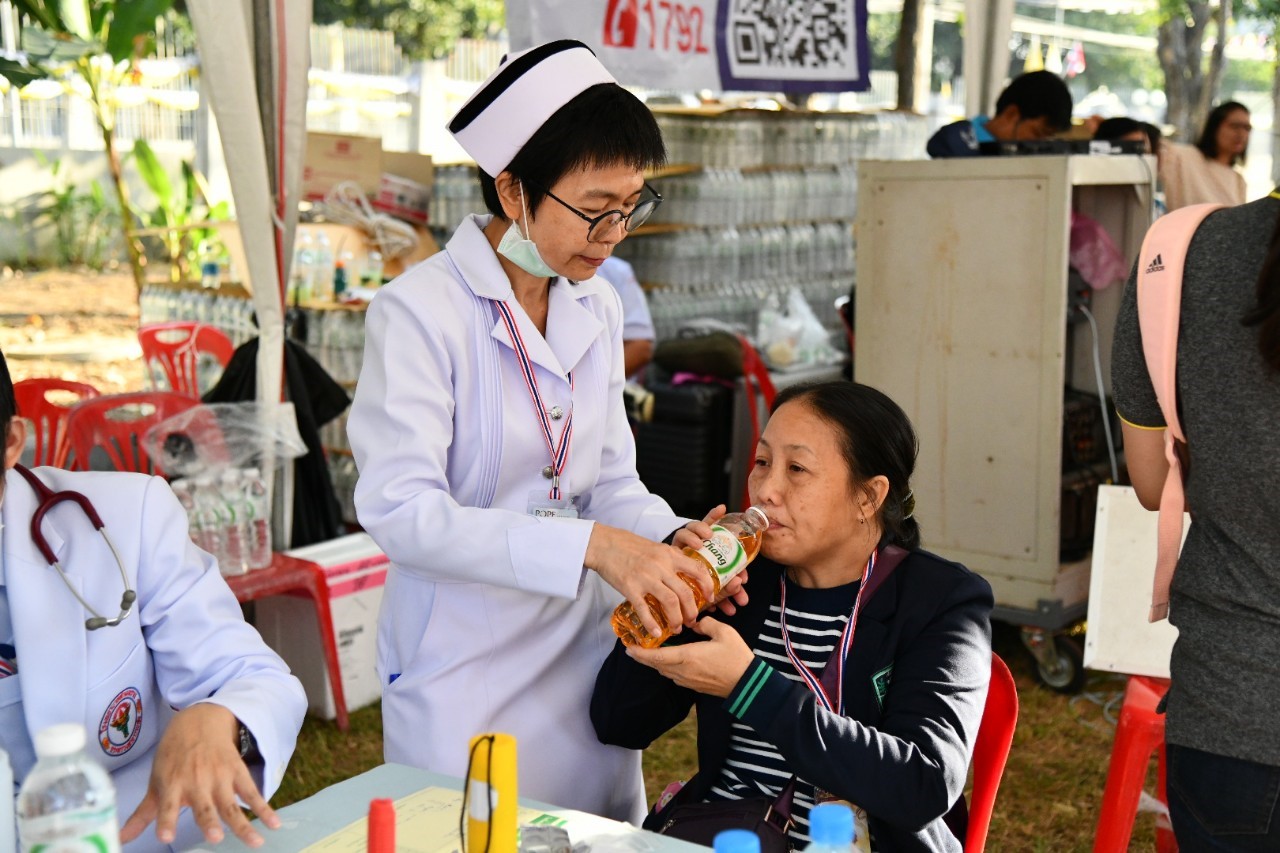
(259, 519)
(830, 829)
(211, 514)
(302, 281)
(67, 801)
(210, 267)
(237, 512)
(323, 267)
(736, 841)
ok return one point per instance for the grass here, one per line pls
(1049, 796)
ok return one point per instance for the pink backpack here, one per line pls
(1164, 251)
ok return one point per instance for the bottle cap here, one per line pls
(382, 826)
(758, 516)
(737, 841)
(62, 739)
(831, 823)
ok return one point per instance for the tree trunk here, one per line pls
(136, 263)
(908, 49)
(1190, 86)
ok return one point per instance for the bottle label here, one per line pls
(81, 831)
(724, 553)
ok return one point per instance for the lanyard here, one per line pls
(846, 641)
(559, 453)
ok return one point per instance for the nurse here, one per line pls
(497, 470)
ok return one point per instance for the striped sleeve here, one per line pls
(762, 689)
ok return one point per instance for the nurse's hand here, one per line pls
(713, 668)
(692, 535)
(636, 567)
(198, 764)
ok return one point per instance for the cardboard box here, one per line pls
(406, 164)
(403, 199)
(356, 570)
(333, 157)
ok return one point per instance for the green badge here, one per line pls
(880, 683)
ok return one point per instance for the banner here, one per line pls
(722, 45)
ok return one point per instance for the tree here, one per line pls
(909, 45)
(423, 28)
(1191, 85)
(99, 43)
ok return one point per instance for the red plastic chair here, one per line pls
(38, 402)
(178, 347)
(995, 736)
(116, 423)
(1139, 734)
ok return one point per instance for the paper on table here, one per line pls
(427, 822)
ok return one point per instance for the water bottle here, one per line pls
(67, 801)
(302, 281)
(231, 492)
(211, 515)
(830, 829)
(735, 541)
(323, 269)
(259, 519)
(210, 267)
(736, 841)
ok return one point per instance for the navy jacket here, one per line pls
(958, 139)
(904, 762)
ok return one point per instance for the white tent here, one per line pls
(254, 56)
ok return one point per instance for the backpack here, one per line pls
(1159, 304)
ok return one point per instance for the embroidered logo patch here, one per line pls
(121, 723)
(880, 683)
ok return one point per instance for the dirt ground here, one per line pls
(80, 326)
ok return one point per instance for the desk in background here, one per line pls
(330, 811)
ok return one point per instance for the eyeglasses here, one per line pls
(600, 227)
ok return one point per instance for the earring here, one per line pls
(862, 520)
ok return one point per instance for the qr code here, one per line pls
(776, 36)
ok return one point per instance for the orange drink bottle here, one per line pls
(735, 541)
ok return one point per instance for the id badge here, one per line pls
(541, 506)
(861, 832)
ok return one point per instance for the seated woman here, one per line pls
(895, 735)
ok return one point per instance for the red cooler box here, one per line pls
(356, 570)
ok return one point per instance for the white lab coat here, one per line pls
(185, 641)
(489, 621)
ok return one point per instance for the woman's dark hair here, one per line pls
(8, 402)
(1208, 142)
(605, 125)
(877, 439)
(1115, 128)
(1153, 135)
(1265, 314)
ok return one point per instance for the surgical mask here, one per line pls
(522, 251)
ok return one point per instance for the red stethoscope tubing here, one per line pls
(48, 499)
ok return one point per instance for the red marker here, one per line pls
(382, 826)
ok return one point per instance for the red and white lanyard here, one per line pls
(846, 642)
(559, 453)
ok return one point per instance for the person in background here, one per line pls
(497, 470)
(1206, 172)
(637, 326)
(185, 706)
(1123, 129)
(832, 472)
(1223, 747)
(1036, 105)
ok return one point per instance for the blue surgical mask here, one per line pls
(522, 251)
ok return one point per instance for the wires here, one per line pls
(1102, 393)
(346, 204)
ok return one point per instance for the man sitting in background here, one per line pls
(1036, 105)
(637, 325)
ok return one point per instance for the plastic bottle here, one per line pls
(67, 801)
(211, 516)
(372, 275)
(302, 281)
(259, 555)
(323, 267)
(734, 542)
(830, 829)
(736, 841)
(340, 275)
(210, 267)
(237, 511)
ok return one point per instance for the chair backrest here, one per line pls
(179, 348)
(995, 736)
(46, 402)
(115, 425)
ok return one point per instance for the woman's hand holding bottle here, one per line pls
(692, 535)
(647, 573)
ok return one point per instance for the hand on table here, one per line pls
(198, 764)
(692, 535)
(713, 667)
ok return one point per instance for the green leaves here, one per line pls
(18, 73)
(132, 18)
(157, 180)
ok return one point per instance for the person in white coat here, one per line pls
(497, 470)
(184, 704)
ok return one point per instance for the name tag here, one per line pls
(541, 506)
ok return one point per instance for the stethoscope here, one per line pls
(48, 500)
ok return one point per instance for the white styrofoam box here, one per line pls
(356, 570)
(1120, 639)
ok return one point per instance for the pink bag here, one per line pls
(1164, 254)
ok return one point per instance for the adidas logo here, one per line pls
(1156, 265)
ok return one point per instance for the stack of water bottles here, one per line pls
(229, 516)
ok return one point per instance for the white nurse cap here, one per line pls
(517, 99)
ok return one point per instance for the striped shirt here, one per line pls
(753, 768)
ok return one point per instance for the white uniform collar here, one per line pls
(471, 253)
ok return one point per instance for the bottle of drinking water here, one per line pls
(211, 515)
(259, 519)
(236, 512)
(67, 801)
